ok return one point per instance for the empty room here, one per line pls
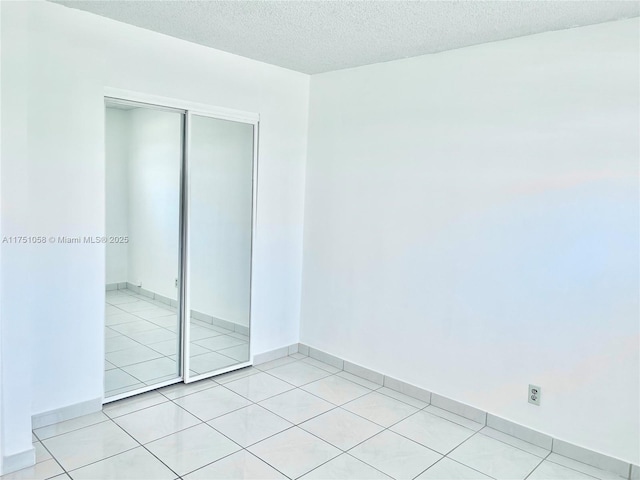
(317, 239)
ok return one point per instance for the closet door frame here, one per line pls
(195, 108)
(186, 344)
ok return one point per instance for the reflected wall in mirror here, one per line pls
(221, 174)
(143, 155)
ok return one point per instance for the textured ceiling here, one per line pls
(319, 36)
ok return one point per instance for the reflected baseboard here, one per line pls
(218, 322)
(203, 317)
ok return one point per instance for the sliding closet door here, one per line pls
(143, 155)
(220, 203)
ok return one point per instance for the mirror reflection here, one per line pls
(154, 275)
(220, 224)
(143, 155)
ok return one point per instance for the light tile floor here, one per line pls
(291, 418)
(142, 343)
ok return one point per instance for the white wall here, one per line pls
(15, 298)
(471, 226)
(117, 193)
(54, 183)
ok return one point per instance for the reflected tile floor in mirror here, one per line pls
(294, 417)
(141, 343)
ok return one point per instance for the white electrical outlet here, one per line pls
(535, 393)
(176, 284)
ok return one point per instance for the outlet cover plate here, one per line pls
(535, 392)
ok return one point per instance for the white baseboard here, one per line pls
(18, 461)
(595, 459)
(265, 357)
(66, 413)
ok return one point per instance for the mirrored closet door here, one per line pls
(180, 195)
(220, 206)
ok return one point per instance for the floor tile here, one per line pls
(460, 420)
(133, 464)
(120, 299)
(156, 422)
(169, 347)
(70, 425)
(133, 404)
(345, 467)
(433, 432)
(219, 342)
(414, 402)
(119, 318)
(239, 352)
(296, 405)
(166, 322)
(154, 336)
(359, 380)
(210, 362)
(201, 333)
(108, 333)
(547, 470)
(241, 465)
(213, 402)
(182, 389)
(515, 442)
(380, 409)
(111, 309)
(250, 425)
(42, 453)
(341, 429)
(157, 312)
(319, 364)
(494, 458)
(39, 471)
(118, 391)
(133, 327)
(132, 355)
(447, 469)
(89, 444)
(336, 390)
(258, 387)
(294, 452)
(153, 369)
(235, 375)
(62, 476)
(582, 467)
(193, 448)
(278, 362)
(136, 306)
(119, 342)
(108, 365)
(298, 373)
(394, 455)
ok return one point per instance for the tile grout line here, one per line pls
(401, 420)
(329, 374)
(53, 457)
(536, 467)
(142, 445)
(227, 437)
